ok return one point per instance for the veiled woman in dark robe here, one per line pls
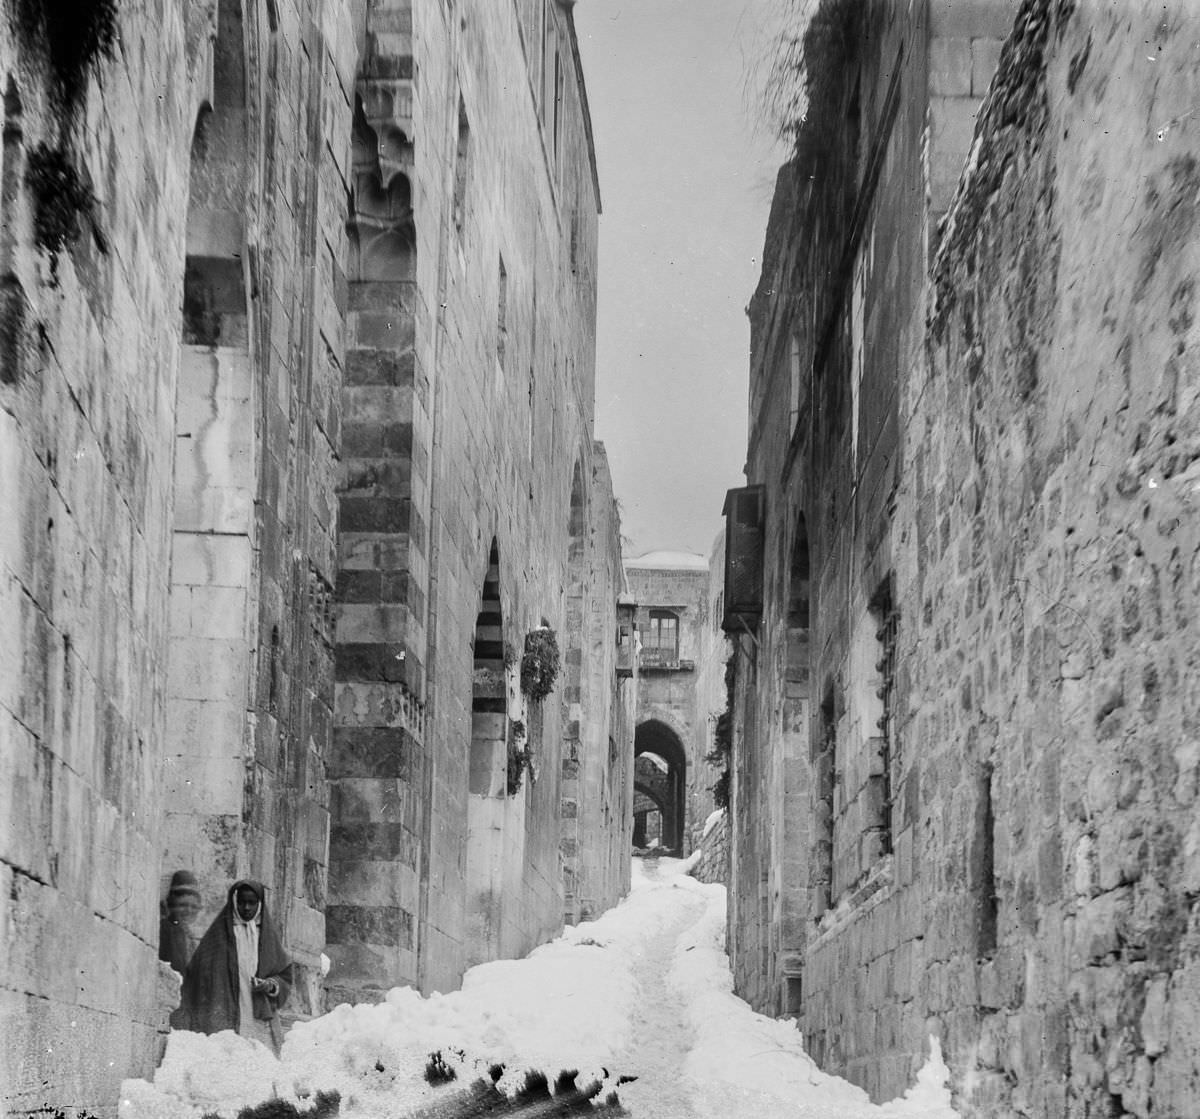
(183, 903)
(239, 975)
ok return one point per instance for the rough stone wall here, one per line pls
(829, 345)
(714, 853)
(1035, 909)
(712, 652)
(822, 820)
(1050, 578)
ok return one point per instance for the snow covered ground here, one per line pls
(644, 991)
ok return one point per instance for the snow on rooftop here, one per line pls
(669, 561)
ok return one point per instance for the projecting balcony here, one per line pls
(663, 660)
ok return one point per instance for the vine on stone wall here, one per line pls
(722, 750)
(72, 35)
(520, 756)
(805, 77)
(62, 200)
(540, 663)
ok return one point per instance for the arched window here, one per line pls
(215, 306)
(489, 719)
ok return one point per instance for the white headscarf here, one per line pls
(245, 934)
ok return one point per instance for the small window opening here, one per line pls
(883, 610)
(794, 380)
(462, 159)
(825, 747)
(983, 865)
(558, 102)
(502, 313)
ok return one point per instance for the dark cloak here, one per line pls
(210, 984)
(174, 944)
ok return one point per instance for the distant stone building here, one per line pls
(681, 653)
(281, 503)
(961, 577)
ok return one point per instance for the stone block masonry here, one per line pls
(714, 853)
(998, 770)
(88, 361)
(258, 447)
(502, 467)
(1052, 606)
(257, 417)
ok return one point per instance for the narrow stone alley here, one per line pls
(637, 1003)
(357, 741)
(662, 1036)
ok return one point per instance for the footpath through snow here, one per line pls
(644, 991)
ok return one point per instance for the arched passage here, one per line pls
(648, 816)
(660, 770)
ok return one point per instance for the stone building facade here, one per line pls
(681, 652)
(281, 504)
(965, 737)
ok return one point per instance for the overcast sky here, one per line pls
(686, 175)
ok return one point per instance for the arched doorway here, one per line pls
(660, 775)
(648, 817)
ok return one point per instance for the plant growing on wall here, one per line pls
(62, 201)
(72, 35)
(723, 738)
(805, 76)
(520, 756)
(720, 791)
(539, 664)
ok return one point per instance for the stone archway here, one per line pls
(648, 817)
(660, 769)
